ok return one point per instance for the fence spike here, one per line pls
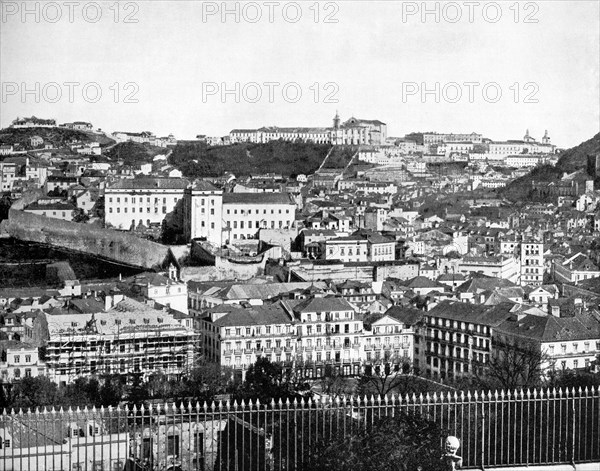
(242, 403)
(257, 403)
(273, 403)
(541, 393)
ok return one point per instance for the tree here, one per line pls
(512, 365)
(33, 392)
(334, 384)
(266, 381)
(388, 375)
(204, 382)
(79, 215)
(402, 441)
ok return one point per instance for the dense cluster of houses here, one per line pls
(346, 267)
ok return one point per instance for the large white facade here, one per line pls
(130, 202)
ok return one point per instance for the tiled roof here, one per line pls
(203, 185)
(406, 315)
(149, 183)
(255, 315)
(552, 329)
(326, 304)
(257, 198)
(475, 313)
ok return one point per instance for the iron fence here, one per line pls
(532, 427)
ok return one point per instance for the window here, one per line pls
(173, 445)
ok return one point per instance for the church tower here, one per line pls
(336, 121)
(546, 138)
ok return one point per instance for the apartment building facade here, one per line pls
(127, 338)
(457, 338)
(532, 263)
(143, 201)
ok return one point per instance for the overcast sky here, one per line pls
(376, 60)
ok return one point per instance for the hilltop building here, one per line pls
(354, 131)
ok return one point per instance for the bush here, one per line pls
(404, 441)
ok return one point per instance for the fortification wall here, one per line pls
(111, 245)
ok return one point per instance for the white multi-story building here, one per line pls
(147, 201)
(21, 360)
(164, 290)
(361, 246)
(203, 213)
(564, 342)
(525, 160)
(123, 336)
(440, 138)
(392, 337)
(352, 132)
(52, 208)
(309, 334)
(502, 266)
(576, 268)
(245, 213)
(222, 218)
(532, 263)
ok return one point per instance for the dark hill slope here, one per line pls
(196, 159)
(570, 160)
(58, 137)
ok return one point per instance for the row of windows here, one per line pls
(164, 210)
(248, 212)
(327, 316)
(388, 340)
(454, 324)
(388, 329)
(278, 329)
(140, 200)
(575, 347)
(374, 356)
(17, 359)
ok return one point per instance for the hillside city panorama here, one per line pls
(299, 236)
(342, 261)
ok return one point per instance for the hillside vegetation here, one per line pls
(570, 161)
(132, 153)
(58, 137)
(576, 158)
(196, 159)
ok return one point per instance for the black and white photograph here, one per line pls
(351, 235)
